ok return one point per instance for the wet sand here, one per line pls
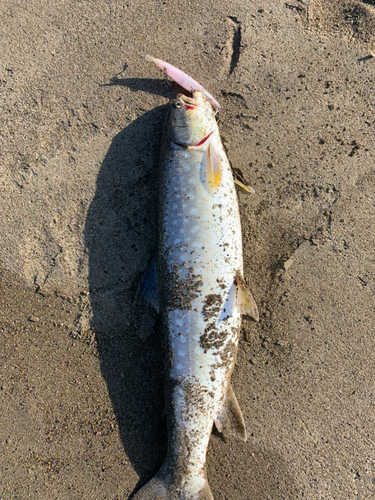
(80, 375)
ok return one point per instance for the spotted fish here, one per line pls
(196, 283)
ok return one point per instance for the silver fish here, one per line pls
(196, 282)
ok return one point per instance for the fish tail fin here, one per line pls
(161, 487)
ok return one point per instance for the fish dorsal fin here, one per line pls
(212, 165)
(244, 299)
(229, 420)
(148, 288)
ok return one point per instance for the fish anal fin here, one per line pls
(148, 287)
(245, 300)
(229, 420)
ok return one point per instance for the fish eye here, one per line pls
(178, 104)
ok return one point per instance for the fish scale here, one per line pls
(201, 296)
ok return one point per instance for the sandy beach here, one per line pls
(81, 389)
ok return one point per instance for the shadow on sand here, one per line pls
(120, 236)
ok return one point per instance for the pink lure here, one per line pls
(182, 79)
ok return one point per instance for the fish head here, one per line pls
(191, 119)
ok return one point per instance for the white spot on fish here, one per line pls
(193, 211)
(177, 241)
(181, 353)
(194, 229)
(181, 230)
(182, 340)
(179, 366)
(174, 222)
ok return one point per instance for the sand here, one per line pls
(81, 366)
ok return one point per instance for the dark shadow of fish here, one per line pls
(119, 236)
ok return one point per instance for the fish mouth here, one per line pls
(188, 100)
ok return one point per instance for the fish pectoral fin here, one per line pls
(229, 420)
(243, 186)
(245, 300)
(148, 287)
(212, 166)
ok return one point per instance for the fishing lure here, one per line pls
(186, 81)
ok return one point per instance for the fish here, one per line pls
(196, 283)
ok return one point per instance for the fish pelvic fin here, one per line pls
(244, 298)
(148, 288)
(161, 487)
(229, 420)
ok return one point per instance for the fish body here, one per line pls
(201, 296)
